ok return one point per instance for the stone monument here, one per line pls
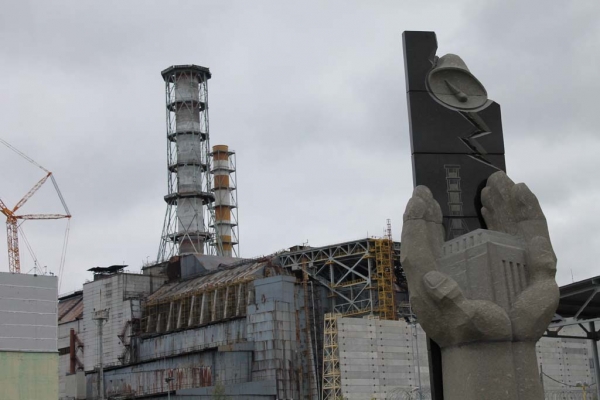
(485, 297)
(456, 144)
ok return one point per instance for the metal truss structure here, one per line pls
(349, 271)
(188, 215)
(332, 377)
(579, 305)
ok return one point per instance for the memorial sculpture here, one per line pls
(488, 345)
(475, 246)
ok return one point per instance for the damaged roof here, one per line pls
(211, 280)
(70, 308)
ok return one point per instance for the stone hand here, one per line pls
(440, 305)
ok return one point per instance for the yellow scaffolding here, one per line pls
(332, 378)
(384, 278)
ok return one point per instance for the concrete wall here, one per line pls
(189, 340)
(190, 356)
(75, 386)
(273, 328)
(189, 371)
(28, 376)
(28, 337)
(120, 294)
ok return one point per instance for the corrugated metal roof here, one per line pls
(215, 279)
(71, 308)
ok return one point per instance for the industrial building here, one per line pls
(326, 322)
(256, 329)
(28, 337)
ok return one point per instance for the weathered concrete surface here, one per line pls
(28, 375)
(487, 329)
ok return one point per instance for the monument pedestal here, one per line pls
(491, 371)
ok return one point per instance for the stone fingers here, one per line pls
(534, 309)
(422, 236)
(541, 260)
(533, 228)
(495, 198)
(443, 309)
(528, 213)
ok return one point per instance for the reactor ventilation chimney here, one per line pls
(189, 196)
(225, 205)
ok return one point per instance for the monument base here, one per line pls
(491, 371)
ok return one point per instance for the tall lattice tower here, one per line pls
(189, 212)
(225, 227)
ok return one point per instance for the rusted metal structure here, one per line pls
(202, 300)
(359, 274)
(332, 377)
(225, 227)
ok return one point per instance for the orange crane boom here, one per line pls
(12, 225)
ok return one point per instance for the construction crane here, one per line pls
(12, 219)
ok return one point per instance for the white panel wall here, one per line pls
(565, 360)
(378, 359)
(28, 308)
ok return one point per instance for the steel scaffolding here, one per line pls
(349, 271)
(385, 279)
(332, 379)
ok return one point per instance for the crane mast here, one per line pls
(12, 219)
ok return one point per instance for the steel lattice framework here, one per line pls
(189, 213)
(349, 271)
(332, 378)
(384, 277)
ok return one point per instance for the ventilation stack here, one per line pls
(189, 181)
(225, 206)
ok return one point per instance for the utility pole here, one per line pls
(169, 380)
(100, 316)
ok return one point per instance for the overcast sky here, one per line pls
(310, 94)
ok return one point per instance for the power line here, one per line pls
(562, 383)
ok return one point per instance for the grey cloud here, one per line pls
(310, 94)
